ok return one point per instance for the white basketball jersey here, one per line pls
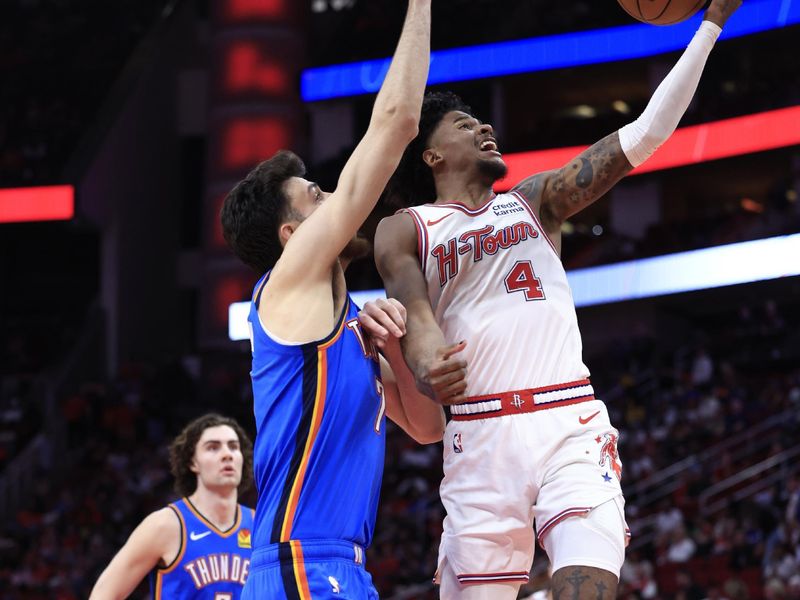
(496, 281)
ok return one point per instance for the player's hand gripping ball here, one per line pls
(661, 12)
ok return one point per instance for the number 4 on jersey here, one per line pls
(521, 278)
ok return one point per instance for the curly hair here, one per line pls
(256, 207)
(412, 182)
(183, 447)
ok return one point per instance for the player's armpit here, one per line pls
(583, 180)
(156, 539)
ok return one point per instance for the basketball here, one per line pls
(661, 12)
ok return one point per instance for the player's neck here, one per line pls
(456, 189)
(218, 506)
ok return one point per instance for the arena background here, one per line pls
(122, 125)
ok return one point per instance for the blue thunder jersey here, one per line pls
(318, 455)
(211, 564)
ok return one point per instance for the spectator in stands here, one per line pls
(682, 548)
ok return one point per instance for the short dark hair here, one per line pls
(182, 449)
(256, 207)
(412, 182)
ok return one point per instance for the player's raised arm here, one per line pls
(438, 368)
(310, 251)
(156, 539)
(561, 193)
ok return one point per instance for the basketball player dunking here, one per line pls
(527, 441)
(199, 546)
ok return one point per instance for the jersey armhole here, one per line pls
(422, 236)
(181, 547)
(256, 300)
(536, 220)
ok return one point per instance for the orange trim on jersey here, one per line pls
(316, 421)
(299, 569)
(211, 526)
(331, 339)
(161, 571)
(181, 551)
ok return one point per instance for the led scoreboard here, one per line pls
(257, 49)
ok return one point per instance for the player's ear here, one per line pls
(286, 231)
(431, 157)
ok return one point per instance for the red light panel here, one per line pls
(228, 290)
(51, 203)
(248, 69)
(247, 10)
(217, 239)
(248, 141)
(687, 146)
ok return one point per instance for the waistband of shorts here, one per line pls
(307, 551)
(523, 401)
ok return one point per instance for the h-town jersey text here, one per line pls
(495, 280)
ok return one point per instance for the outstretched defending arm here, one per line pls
(561, 193)
(313, 248)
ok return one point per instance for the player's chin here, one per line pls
(494, 167)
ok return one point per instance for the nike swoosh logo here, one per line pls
(587, 419)
(198, 536)
(432, 223)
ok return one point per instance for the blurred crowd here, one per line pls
(725, 221)
(668, 405)
(58, 64)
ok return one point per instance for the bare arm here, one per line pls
(315, 246)
(414, 412)
(157, 538)
(559, 194)
(384, 321)
(438, 371)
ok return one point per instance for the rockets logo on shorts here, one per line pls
(457, 448)
(609, 456)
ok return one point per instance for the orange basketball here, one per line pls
(661, 12)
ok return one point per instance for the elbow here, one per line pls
(430, 432)
(428, 437)
(401, 121)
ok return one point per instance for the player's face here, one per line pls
(305, 197)
(218, 458)
(465, 144)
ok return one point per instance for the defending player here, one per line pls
(485, 268)
(199, 546)
(320, 389)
